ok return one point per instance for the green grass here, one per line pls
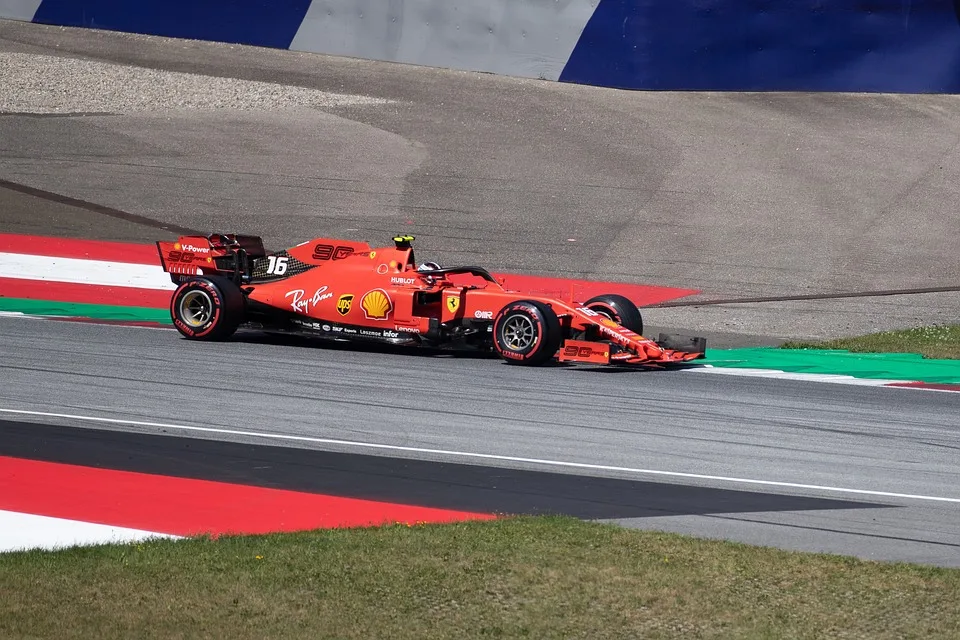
(942, 341)
(548, 577)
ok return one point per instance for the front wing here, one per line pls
(620, 345)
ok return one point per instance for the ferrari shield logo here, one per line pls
(453, 303)
(344, 303)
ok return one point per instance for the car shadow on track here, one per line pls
(302, 341)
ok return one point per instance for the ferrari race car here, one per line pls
(346, 290)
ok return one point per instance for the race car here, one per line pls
(347, 290)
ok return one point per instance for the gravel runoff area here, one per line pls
(50, 84)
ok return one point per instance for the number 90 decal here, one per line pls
(180, 256)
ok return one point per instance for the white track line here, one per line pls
(79, 271)
(836, 378)
(481, 456)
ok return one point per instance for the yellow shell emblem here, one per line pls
(376, 304)
(453, 303)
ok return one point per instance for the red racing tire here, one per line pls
(207, 308)
(619, 309)
(526, 332)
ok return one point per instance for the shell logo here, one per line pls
(376, 304)
(609, 323)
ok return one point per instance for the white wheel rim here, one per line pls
(196, 308)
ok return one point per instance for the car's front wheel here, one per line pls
(619, 309)
(526, 332)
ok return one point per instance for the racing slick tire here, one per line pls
(207, 308)
(526, 332)
(619, 309)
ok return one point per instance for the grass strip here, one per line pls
(938, 341)
(84, 310)
(540, 577)
(877, 366)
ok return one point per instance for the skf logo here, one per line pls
(453, 303)
(344, 303)
(376, 304)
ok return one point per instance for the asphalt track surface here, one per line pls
(474, 432)
(738, 195)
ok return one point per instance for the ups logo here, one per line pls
(344, 303)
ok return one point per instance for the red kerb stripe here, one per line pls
(83, 293)
(563, 288)
(582, 290)
(181, 506)
(83, 249)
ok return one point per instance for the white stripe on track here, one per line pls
(74, 270)
(484, 456)
(836, 378)
(23, 531)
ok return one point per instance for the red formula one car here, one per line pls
(347, 290)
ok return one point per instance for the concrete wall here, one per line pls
(725, 45)
(529, 38)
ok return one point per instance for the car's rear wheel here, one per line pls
(207, 308)
(619, 309)
(526, 332)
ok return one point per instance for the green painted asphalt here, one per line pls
(82, 310)
(891, 366)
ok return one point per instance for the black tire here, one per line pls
(619, 309)
(207, 308)
(526, 332)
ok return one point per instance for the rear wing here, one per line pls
(222, 254)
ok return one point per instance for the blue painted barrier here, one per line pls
(766, 45)
(266, 23)
(899, 46)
